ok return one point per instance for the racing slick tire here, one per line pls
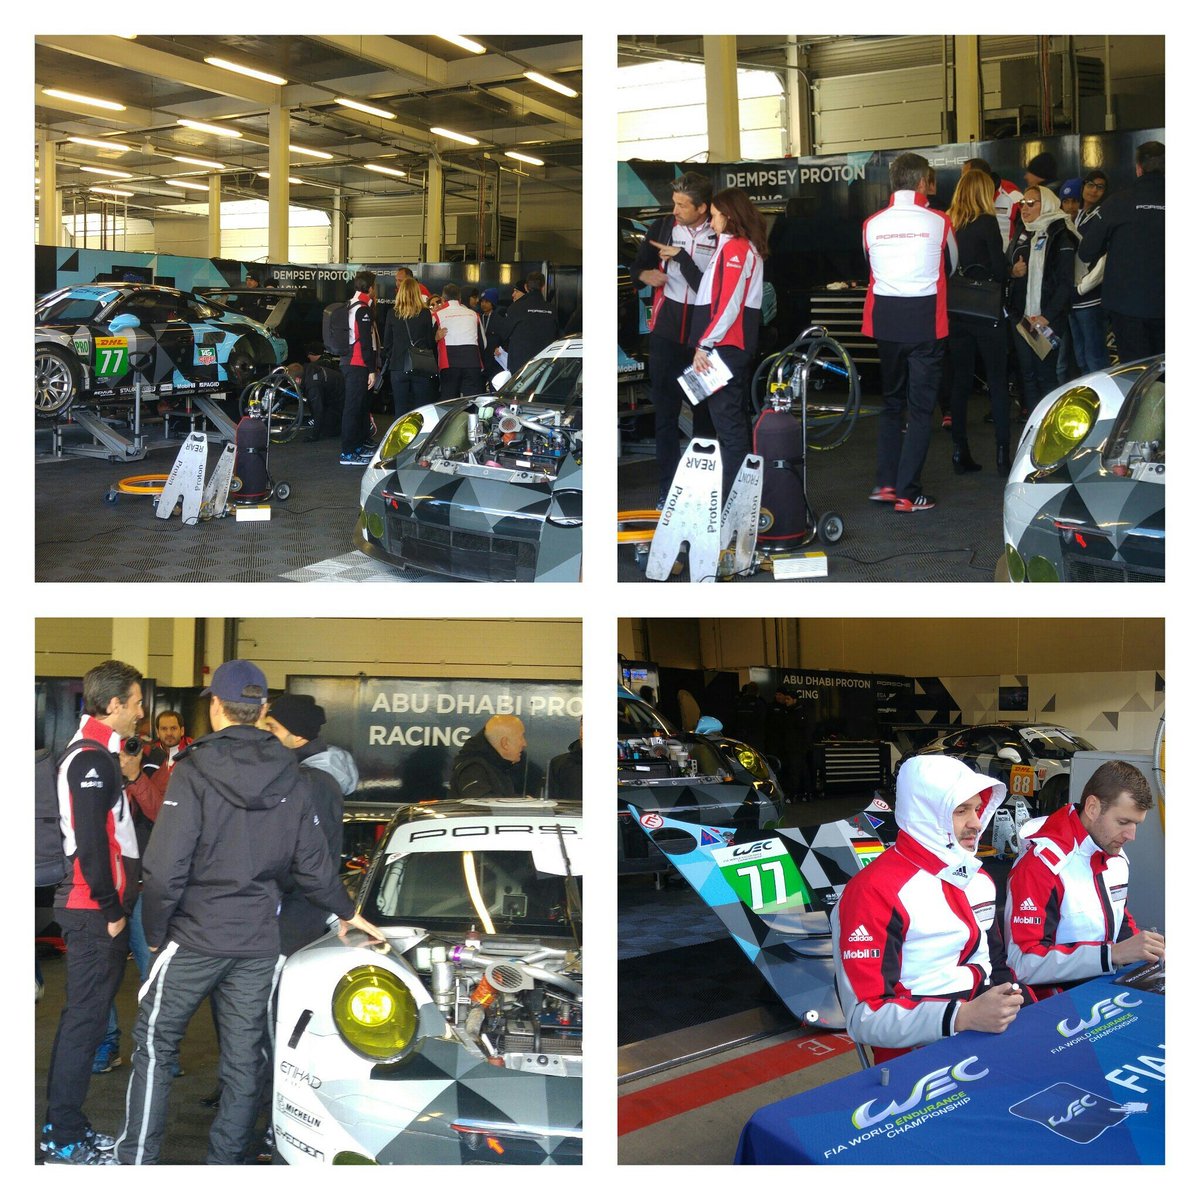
(56, 381)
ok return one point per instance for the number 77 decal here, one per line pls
(764, 877)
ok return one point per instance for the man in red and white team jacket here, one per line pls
(93, 902)
(675, 280)
(1066, 916)
(911, 251)
(919, 955)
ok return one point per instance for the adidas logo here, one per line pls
(734, 261)
(92, 774)
(1028, 905)
(860, 935)
(961, 873)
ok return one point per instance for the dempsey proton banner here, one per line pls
(405, 733)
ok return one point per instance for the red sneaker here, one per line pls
(884, 495)
(920, 504)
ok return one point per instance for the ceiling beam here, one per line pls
(134, 56)
(422, 69)
(521, 102)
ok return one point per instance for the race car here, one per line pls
(699, 777)
(774, 890)
(293, 314)
(461, 1041)
(90, 340)
(1032, 759)
(1086, 497)
(488, 487)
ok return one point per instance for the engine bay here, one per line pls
(519, 1003)
(513, 443)
(652, 760)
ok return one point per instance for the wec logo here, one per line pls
(928, 1087)
(1075, 1109)
(1102, 1010)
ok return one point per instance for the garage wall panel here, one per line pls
(72, 646)
(485, 649)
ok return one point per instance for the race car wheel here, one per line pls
(1053, 796)
(56, 381)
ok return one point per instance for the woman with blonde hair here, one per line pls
(409, 347)
(972, 215)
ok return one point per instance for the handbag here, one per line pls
(421, 359)
(970, 296)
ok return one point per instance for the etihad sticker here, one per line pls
(1072, 1113)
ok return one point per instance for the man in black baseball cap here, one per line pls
(236, 823)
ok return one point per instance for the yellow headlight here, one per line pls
(1069, 420)
(400, 435)
(753, 762)
(375, 1013)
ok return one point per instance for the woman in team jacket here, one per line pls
(726, 318)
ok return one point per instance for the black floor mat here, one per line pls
(676, 989)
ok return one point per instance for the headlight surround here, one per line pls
(754, 762)
(375, 1013)
(1066, 423)
(400, 435)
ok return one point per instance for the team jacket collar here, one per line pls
(959, 873)
(95, 729)
(910, 198)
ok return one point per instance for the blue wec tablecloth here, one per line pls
(1078, 1078)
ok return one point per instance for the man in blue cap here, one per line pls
(236, 822)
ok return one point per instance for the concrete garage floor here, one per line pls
(704, 1042)
(188, 1120)
(961, 539)
(82, 539)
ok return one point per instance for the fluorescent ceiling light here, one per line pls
(106, 171)
(458, 137)
(198, 162)
(552, 84)
(384, 170)
(525, 158)
(375, 112)
(110, 191)
(184, 183)
(226, 65)
(267, 175)
(82, 141)
(463, 43)
(203, 128)
(109, 104)
(310, 153)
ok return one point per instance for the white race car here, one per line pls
(463, 1041)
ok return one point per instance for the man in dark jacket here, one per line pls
(359, 369)
(493, 763)
(236, 822)
(296, 721)
(92, 903)
(1130, 228)
(565, 777)
(529, 325)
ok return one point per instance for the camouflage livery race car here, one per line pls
(88, 339)
(293, 314)
(774, 890)
(463, 1042)
(488, 487)
(1086, 498)
(704, 778)
(1031, 759)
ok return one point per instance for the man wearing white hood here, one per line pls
(919, 952)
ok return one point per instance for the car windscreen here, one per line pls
(1054, 742)
(1137, 446)
(69, 310)
(257, 308)
(491, 891)
(546, 381)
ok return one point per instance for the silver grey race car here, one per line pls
(1086, 497)
(488, 487)
(91, 340)
(463, 1041)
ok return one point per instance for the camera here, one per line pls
(132, 745)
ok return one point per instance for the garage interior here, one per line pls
(832, 102)
(461, 158)
(177, 657)
(703, 1041)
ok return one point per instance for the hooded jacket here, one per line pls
(1066, 904)
(236, 822)
(915, 931)
(479, 772)
(335, 761)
